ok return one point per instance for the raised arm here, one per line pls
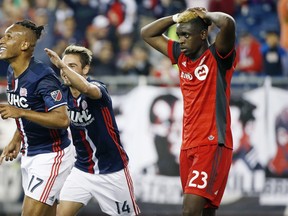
(225, 39)
(76, 80)
(153, 33)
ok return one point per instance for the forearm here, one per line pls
(17, 137)
(157, 28)
(77, 81)
(220, 19)
(57, 118)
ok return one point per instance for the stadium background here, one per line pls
(259, 102)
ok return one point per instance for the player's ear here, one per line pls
(86, 69)
(25, 45)
(204, 34)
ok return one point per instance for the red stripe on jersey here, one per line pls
(56, 140)
(110, 129)
(53, 175)
(89, 151)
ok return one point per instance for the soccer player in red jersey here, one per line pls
(205, 72)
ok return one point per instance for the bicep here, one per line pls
(159, 43)
(225, 39)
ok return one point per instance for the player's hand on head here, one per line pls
(186, 16)
(201, 12)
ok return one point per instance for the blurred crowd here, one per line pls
(111, 29)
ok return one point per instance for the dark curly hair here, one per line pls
(28, 24)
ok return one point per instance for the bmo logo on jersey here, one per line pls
(185, 75)
(17, 100)
(201, 72)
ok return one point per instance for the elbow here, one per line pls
(64, 123)
(143, 33)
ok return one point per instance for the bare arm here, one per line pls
(153, 33)
(225, 39)
(56, 118)
(11, 151)
(76, 80)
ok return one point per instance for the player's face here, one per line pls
(11, 42)
(189, 38)
(73, 61)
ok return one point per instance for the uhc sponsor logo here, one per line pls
(56, 95)
(17, 100)
(78, 117)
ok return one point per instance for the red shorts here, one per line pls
(204, 171)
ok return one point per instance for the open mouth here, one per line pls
(2, 49)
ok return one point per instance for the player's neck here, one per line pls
(19, 66)
(75, 93)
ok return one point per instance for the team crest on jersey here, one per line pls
(23, 92)
(84, 105)
(56, 95)
(201, 72)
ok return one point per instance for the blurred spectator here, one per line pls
(84, 12)
(104, 62)
(273, 55)
(43, 16)
(124, 52)
(100, 30)
(227, 6)
(64, 38)
(138, 63)
(122, 14)
(62, 12)
(249, 56)
(282, 9)
(165, 70)
(10, 11)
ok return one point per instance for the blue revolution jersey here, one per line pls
(95, 133)
(37, 89)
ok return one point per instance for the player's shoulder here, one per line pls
(97, 83)
(40, 69)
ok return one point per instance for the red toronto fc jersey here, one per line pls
(205, 85)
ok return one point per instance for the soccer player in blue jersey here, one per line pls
(101, 167)
(36, 102)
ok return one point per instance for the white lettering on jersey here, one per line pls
(17, 100)
(201, 72)
(185, 75)
(80, 118)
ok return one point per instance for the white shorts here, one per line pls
(114, 192)
(43, 175)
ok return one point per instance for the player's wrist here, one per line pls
(175, 18)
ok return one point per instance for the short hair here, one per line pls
(32, 26)
(84, 54)
(199, 23)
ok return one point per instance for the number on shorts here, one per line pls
(36, 184)
(204, 179)
(125, 207)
